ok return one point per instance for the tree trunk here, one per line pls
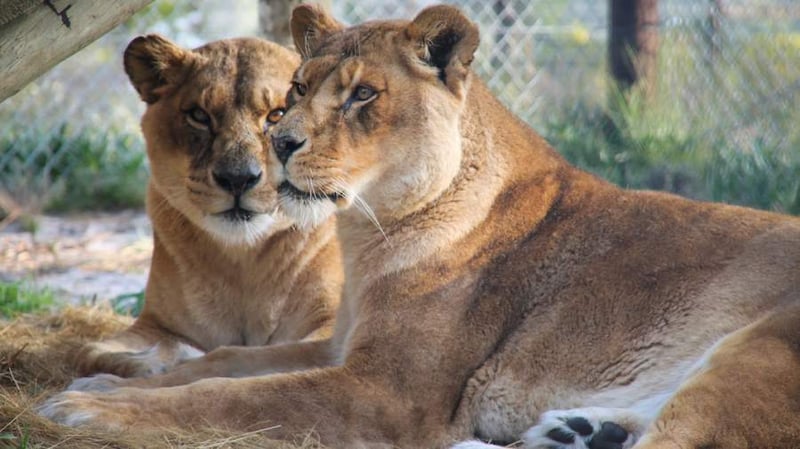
(44, 36)
(633, 43)
(273, 19)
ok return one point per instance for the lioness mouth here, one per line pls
(236, 214)
(287, 188)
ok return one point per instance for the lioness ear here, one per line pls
(310, 25)
(447, 40)
(153, 62)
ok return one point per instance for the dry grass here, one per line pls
(35, 354)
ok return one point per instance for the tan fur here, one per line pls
(214, 281)
(494, 282)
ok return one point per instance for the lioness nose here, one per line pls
(285, 145)
(237, 180)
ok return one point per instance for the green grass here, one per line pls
(722, 131)
(129, 304)
(17, 298)
(10, 440)
(762, 175)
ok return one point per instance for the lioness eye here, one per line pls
(198, 117)
(275, 115)
(363, 93)
(300, 89)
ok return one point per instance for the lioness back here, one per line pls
(228, 268)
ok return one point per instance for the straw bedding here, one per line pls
(35, 354)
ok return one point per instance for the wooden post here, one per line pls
(33, 43)
(633, 42)
(273, 19)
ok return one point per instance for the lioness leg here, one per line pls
(338, 407)
(140, 350)
(232, 361)
(746, 395)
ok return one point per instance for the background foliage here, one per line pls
(721, 125)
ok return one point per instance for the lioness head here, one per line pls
(209, 113)
(381, 97)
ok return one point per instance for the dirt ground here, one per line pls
(86, 258)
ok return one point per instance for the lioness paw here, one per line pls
(70, 409)
(98, 382)
(584, 428)
(115, 411)
(475, 445)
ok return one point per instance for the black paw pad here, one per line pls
(580, 425)
(613, 432)
(561, 436)
(610, 436)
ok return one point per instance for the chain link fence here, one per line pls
(723, 118)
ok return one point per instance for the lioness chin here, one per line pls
(488, 282)
(228, 268)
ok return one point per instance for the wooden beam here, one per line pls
(54, 30)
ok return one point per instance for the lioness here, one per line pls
(493, 282)
(227, 268)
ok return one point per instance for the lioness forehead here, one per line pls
(245, 72)
(375, 43)
(361, 39)
(248, 53)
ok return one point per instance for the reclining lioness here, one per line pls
(492, 282)
(227, 268)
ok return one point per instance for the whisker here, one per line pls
(361, 205)
(370, 214)
(310, 186)
(310, 181)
